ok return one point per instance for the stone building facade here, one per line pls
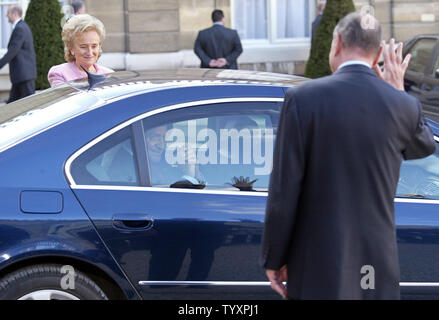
(146, 34)
(151, 34)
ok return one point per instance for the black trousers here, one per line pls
(21, 90)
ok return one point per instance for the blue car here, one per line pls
(153, 185)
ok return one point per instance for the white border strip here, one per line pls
(167, 189)
(419, 284)
(254, 283)
(149, 114)
(413, 200)
(219, 192)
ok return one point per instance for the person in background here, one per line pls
(83, 36)
(20, 56)
(320, 8)
(218, 46)
(78, 7)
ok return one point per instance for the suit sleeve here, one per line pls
(237, 49)
(285, 187)
(422, 143)
(17, 39)
(55, 77)
(199, 51)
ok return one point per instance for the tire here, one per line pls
(48, 282)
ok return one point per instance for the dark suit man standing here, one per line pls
(20, 56)
(330, 226)
(320, 8)
(218, 46)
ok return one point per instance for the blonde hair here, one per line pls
(77, 25)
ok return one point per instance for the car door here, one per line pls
(417, 219)
(178, 195)
(421, 51)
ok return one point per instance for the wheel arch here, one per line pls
(111, 288)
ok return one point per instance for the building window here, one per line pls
(273, 21)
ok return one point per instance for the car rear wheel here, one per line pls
(49, 282)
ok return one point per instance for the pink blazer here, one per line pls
(68, 71)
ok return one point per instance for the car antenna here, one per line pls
(93, 78)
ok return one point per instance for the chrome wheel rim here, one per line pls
(48, 295)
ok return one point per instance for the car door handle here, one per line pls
(133, 222)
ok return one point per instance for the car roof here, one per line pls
(123, 83)
(68, 100)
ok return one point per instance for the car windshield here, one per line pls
(25, 117)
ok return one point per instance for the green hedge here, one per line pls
(318, 62)
(44, 19)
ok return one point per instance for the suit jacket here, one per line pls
(330, 210)
(69, 71)
(218, 42)
(21, 54)
(314, 26)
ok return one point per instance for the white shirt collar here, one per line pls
(218, 23)
(352, 62)
(15, 23)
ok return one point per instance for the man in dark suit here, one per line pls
(218, 46)
(78, 7)
(320, 8)
(330, 226)
(20, 56)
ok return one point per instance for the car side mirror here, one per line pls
(436, 74)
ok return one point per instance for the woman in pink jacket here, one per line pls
(83, 36)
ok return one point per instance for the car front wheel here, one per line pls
(49, 282)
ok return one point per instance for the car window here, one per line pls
(109, 162)
(420, 178)
(420, 53)
(221, 147)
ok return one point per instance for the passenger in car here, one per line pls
(162, 171)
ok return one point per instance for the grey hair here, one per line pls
(360, 30)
